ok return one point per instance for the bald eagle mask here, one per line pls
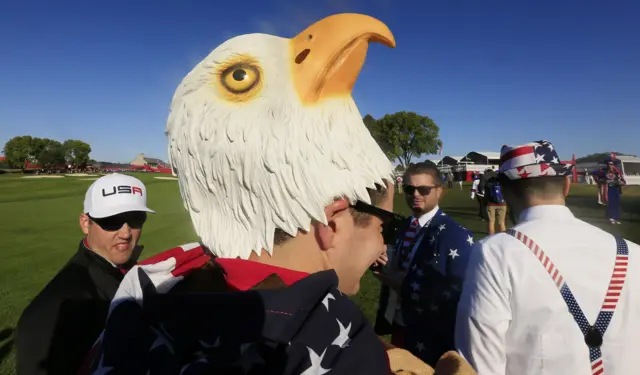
(263, 133)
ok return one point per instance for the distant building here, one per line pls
(143, 160)
(474, 161)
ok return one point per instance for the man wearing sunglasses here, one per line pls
(426, 270)
(61, 324)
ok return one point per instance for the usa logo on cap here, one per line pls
(535, 159)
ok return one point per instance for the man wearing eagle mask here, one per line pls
(291, 198)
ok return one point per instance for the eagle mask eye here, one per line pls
(240, 78)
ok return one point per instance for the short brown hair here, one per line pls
(425, 167)
(539, 187)
(361, 219)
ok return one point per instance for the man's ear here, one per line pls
(567, 185)
(84, 223)
(325, 234)
(440, 192)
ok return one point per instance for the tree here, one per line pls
(597, 157)
(405, 135)
(369, 122)
(76, 152)
(49, 153)
(45, 151)
(18, 149)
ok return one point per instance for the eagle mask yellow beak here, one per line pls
(327, 56)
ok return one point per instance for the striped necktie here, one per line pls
(407, 242)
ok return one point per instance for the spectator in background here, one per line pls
(478, 195)
(496, 205)
(602, 186)
(588, 178)
(450, 180)
(460, 178)
(614, 181)
(60, 325)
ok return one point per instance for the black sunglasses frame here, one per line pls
(135, 220)
(391, 222)
(410, 189)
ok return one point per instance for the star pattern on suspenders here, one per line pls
(593, 334)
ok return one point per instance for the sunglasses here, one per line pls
(391, 222)
(134, 219)
(422, 190)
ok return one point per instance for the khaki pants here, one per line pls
(497, 215)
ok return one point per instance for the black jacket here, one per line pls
(60, 325)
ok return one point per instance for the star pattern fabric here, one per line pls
(431, 289)
(606, 313)
(533, 159)
(306, 328)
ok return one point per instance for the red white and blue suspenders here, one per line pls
(592, 333)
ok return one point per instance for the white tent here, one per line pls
(630, 166)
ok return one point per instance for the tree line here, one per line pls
(404, 136)
(46, 152)
(598, 157)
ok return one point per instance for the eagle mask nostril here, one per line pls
(302, 56)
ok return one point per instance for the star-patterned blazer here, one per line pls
(431, 289)
(382, 326)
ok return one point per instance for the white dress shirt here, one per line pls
(511, 317)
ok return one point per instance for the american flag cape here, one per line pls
(431, 290)
(306, 328)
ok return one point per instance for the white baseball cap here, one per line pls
(114, 194)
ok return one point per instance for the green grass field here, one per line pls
(39, 231)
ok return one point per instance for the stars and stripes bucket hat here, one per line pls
(534, 159)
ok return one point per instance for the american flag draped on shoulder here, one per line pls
(307, 328)
(432, 287)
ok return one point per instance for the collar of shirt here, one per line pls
(545, 212)
(424, 219)
(86, 245)
(245, 274)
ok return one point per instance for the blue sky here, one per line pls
(488, 72)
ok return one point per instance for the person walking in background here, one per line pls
(601, 182)
(614, 181)
(60, 325)
(478, 195)
(517, 314)
(460, 178)
(399, 184)
(450, 180)
(496, 205)
(588, 178)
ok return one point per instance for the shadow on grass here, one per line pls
(6, 343)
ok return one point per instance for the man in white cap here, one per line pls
(61, 324)
(552, 295)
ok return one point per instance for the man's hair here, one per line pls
(539, 187)
(360, 219)
(423, 168)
